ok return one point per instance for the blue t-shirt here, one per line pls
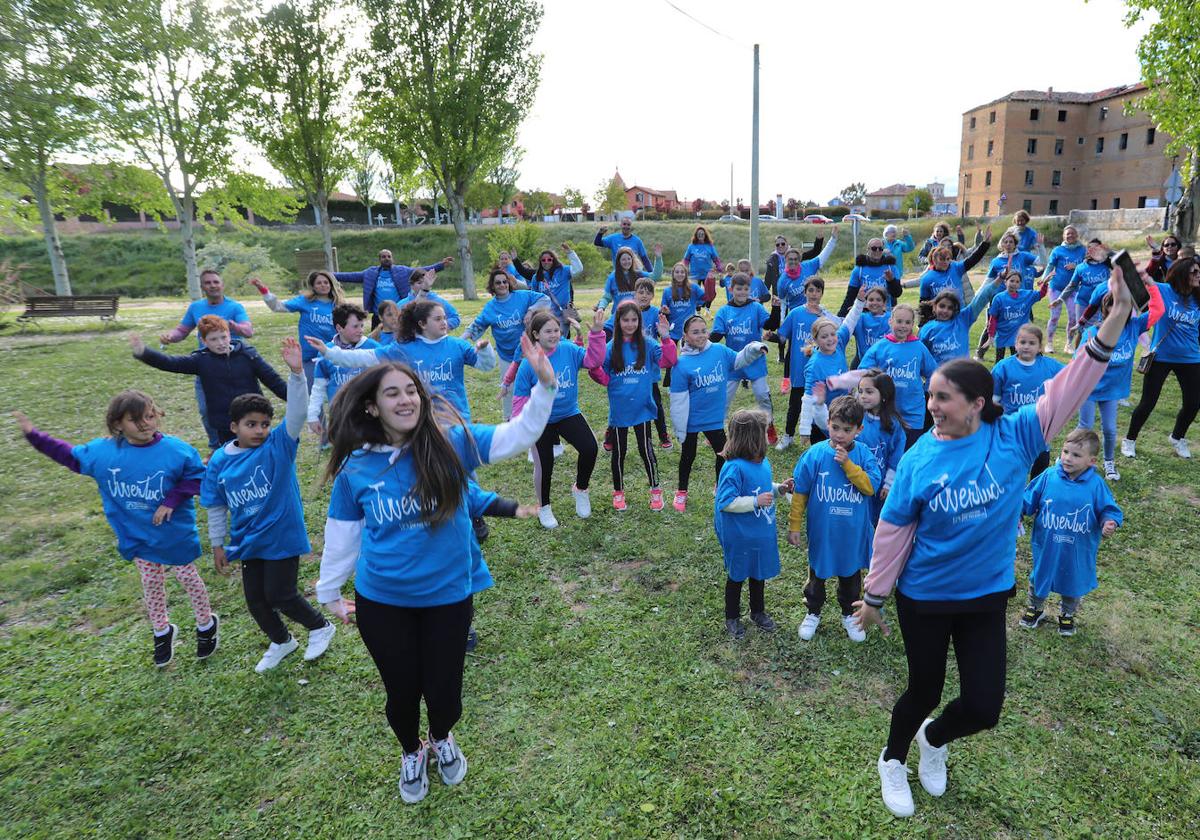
(679, 311)
(869, 329)
(838, 517)
(909, 364)
(1011, 312)
(934, 281)
(1089, 275)
(887, 447)
(650, 322)
(259, 487)
(1022, 261)
(566, 360)
(616, 241)
(871, 277)
(1026, 239)
(700, 260)
(618, 297)
(630, 389)
(948, 339)
(791, 292)
(557, 287)
(316, 320)
(740, 325)
(336, 376)
(1061, 263)
(507, 320)
(1019, 384)
(452, 317)
(1118, 376)
(758, 289)
(703, 376)
(386, 338)
(385, 287)
(1175, 334)
(403, 561)
(964, 496)
(748, 540)
(133, 482)
(821, 366)
(440, 365)
(1068, 516)
(796, 329)
(228, 308)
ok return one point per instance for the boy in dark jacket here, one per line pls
(226, 369)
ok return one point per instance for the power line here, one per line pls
(697, 20)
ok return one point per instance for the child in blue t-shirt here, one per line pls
(643, 296)
(882, 431)
(795, 334)
(744, 519)
(421, 288)
(1020, 379)
(738, 323)
(827, 361)
(252, 480)
(1072, 508)
(389, 324)
(1008, 311)
(349, 320)
(833, 483)
(903, 357)
(146, 482)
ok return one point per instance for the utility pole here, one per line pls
(754, 171)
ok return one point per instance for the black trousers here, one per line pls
(979, 648)
(733, 597)
(1188, 377)
(645, 448)
(270, 587)
(795, 398)
(849, 590)
(419, 652)
(911, 436)
(687, 456)
(575, 431)
(1039, 465)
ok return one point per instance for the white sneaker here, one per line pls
(559, 449)
(855, 632)
(1180, 446)
(808, 627)
(529, 455)
(414, 775)
(318, 641)
(452, 764)
(1129, 448)
(1124, 403)
(784, 442)
(583, 502)
(546, 517)
(931, 767)
(1110, 471)
(275, 654)
(893, 783)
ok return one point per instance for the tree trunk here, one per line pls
(458, 215)
(187, 240)
(321, 206)
(58, 262)
(396, 210)
(1184, 223)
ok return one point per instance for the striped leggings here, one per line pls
(154, 592)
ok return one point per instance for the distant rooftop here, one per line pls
(1064, 96)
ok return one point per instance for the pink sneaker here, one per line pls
(680, 503)
(618, 500)
(785, 385)
(656, 499)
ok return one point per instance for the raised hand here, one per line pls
(658, 249)
(834, 232)
(566, 249)
(538, 361)
(664, 324)
(24, 422)
(1041, 238)
(598, 321)
(888, 274)
(260, 285)
(603, 229)
(447, 262)
(289, 349)
(987, 234)
(316, 344)
(1150, 243)
(136, 344)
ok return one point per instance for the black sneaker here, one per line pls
(735, 628)
(1066, 625)
(763, 621)
(472, 639)
(207, 640)
(1031, 618)
(164, 646)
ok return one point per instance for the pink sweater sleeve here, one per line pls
(893, 544)
(518, 404)
(1157, 307)
(600, 375)
(595, 350)
(510, 375)
(1066, 392)
(670, 354)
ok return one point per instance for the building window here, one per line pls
(639, 198)
(1094, 204)
(987, 178)
(986, 207)
(991, 118)
(1150, 136)
(1062, 115)
(1123, 143)
(1029, 177)
(1056, 178)
(971, 152)
(1058, 146)
(1141, 201)
(1053, 210)
(1117, 202)
(991, 145)
(1080, 141)
(1034, 113)
(967, 209)
(1031, 146)
(967, 180)
(1099, 145)
(1027, 205)
(972, 123)
(1103, 113)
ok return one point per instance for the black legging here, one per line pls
(1039, 465)
(795, 403)
(849, 590)
(575, 431)
(733, 597)
(419, 652)
(1188, 377)
(979, 648)
(641, 433)
(270, 589)
(716, 439)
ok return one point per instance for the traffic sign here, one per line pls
(1173, 186)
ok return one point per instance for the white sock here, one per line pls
(163, 631)
(206, 627)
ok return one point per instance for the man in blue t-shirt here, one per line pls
(625, 239)
(214, 302)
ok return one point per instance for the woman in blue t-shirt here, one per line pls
(1059, 269)
(315, 305)
(947, 539)
(399, 520)
(701, 255)
(1175, 348)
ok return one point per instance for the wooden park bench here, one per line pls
(73, 306)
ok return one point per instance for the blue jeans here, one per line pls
(1108, 422)
(213, 440)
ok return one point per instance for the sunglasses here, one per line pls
(1170, 244)
(547, 260)
(875, 248)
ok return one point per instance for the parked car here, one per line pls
(730, 218)
(764, 217)
(338, 219)
(855, 217)
(818, 219)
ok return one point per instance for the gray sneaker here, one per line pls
(452, 764)
(414, 775)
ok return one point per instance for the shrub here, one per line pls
(522, 239)
(238, 262)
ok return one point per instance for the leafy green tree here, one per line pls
(573, 197)
(854, 194)
(462, 74)
(364, 179)
(538, 202)
(296, 72)
(610, 198)
(918, 200)
(1169, 54)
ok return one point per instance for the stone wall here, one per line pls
(1118, 225)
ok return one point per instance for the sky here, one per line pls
(863, 90)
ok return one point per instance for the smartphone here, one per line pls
(1133, 281)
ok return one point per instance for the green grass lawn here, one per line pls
(604, 697)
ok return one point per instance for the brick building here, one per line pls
(646, 198)
(1052, 152)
